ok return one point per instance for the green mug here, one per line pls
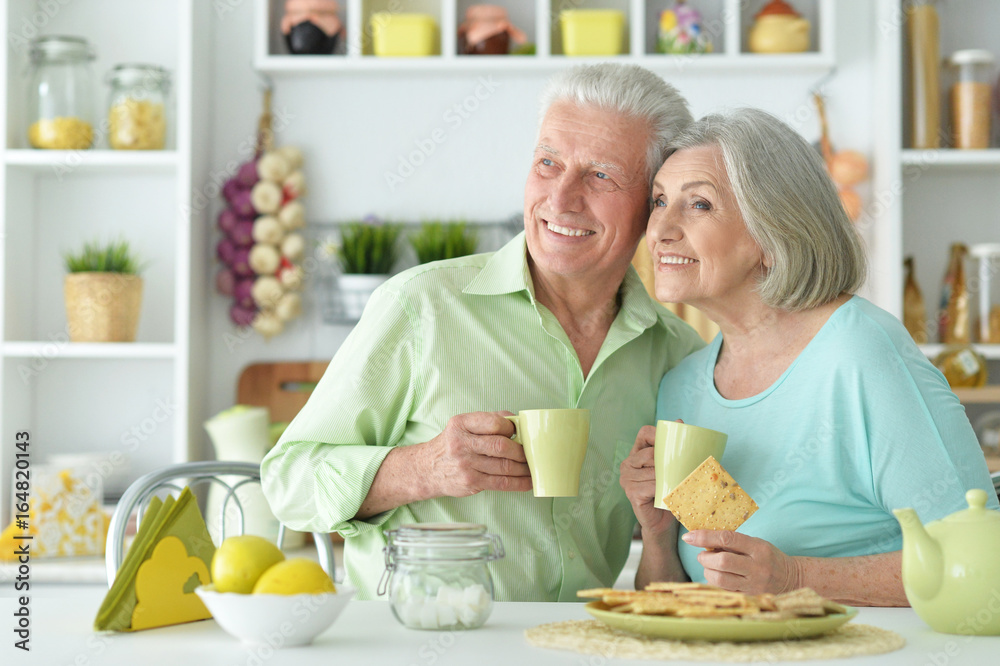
(555, 444)
(678, 450)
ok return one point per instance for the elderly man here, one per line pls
(406, 425)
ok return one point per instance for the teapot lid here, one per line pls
(777, 8)
(977, 511)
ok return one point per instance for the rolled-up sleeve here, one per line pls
(320, 471)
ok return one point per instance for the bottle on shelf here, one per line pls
(924, 50)
(953, 324)
(914, 311)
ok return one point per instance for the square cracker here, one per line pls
(710, 499)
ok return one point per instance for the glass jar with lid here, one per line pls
(987, 296)
(60, 113)
(970, 98)
(437, 575)
(137, 116)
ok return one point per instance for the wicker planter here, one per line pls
(102, 307)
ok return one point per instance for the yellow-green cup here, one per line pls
(555, 444)
(678, 450)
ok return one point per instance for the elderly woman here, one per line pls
(834, 416)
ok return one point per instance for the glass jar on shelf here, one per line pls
(962, 366)
(987, 256)
(137, 116)
(988, 430)
(60, 112)
(970, 98)
(436, 574)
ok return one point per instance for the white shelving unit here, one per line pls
(972, 160)
(726, 21)
(142, 399)
(927, 199)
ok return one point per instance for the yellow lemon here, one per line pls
(298, 575)
(240, 560)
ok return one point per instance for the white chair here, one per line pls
(175, 477)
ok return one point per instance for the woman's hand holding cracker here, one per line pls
(743, 563)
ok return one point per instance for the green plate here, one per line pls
(718, 629)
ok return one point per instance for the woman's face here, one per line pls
(703, 254)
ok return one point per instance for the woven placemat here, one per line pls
(593, 637)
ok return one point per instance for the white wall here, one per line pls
(354, 127)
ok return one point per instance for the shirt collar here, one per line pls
(506, 272)
(636, 302)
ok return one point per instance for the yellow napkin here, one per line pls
(171, 555)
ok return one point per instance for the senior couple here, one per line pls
(834, 416)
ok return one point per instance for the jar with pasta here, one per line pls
(970, 98)
(60, 103)
(137, 107)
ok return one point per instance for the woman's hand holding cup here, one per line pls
(638, 479)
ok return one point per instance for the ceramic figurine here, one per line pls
(680, 31)
(311, 27)
(950, 571)
(778, 28)
(487, 31)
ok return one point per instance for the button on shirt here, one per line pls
(467, 335)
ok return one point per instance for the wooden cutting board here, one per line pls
(281, 387)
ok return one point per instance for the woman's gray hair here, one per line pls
(630, 90)
(789, 204)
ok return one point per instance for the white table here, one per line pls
(366, 633)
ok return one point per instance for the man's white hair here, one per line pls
(627, 89)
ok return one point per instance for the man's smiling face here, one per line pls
(586, 200)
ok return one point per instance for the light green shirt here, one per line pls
(467, 335)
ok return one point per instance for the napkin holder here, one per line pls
(170, 556)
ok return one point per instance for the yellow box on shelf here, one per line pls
(407, 35)
(592, 32)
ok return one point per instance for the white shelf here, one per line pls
(92, 160)
(143, 399)
(989, 352)
(803, 63)
(82, 350)
(924, 200)
(727, 22)
(950, 158)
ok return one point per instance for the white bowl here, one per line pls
(275, 620)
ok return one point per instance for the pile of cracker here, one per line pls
(697, 600)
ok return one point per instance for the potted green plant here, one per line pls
(437, 240)
(367, 252)
(103, 292)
